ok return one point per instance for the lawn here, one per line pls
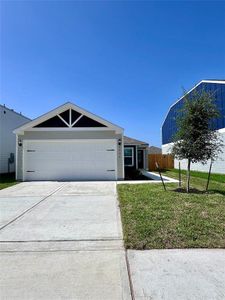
(7, 180)
(154, 219)
(204, 175)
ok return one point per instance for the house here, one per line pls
(9, 120)
(154, 150)
(135, 154)
(169, 128)
(70, 143)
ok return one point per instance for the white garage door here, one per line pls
(70, 160)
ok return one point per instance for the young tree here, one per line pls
(195, 139)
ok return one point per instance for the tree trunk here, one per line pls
(188, 175)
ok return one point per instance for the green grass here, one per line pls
(154, 219)
(213, 176)
(7, 180)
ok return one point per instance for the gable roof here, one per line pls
(154, 150)
(218, 81)
(130, 141)
(68, 105)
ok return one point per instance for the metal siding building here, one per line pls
(169, 127)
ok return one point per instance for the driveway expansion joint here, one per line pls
(31, 208)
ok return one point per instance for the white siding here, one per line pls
(9, 120)
(218, 165)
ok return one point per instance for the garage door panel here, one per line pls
(72, 160)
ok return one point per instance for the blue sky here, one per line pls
(125, 61)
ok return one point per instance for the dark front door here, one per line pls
(140, 159)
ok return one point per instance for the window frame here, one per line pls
(132, 157)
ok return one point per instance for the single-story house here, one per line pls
(70, 143)
(154, 150)
(135, 153)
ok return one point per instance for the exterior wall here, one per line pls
(166, 149)
(217, 167)
(9, 120)
(136, 148)
(48, 135)
(169, 127)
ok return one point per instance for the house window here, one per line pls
(129, 156)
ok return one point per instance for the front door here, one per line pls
(140, 159)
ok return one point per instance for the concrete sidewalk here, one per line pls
(190, 274)
(62, 241)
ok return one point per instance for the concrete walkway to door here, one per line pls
(62, 240)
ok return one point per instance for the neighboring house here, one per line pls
(70, 143)
(169, 127)
(154, 150)
(9, 120)
(135, 154)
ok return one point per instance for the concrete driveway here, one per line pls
(62, 240)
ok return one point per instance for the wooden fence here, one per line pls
(165, 161)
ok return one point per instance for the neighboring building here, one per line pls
(9, 120)
(169, 127)
(154, 150)
(70, 143)
(135, 154)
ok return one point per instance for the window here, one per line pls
(129, 156)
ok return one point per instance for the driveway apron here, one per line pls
(62, 240)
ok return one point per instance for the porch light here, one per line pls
(20, 144)
(119, 142)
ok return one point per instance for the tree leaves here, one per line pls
(196, 140)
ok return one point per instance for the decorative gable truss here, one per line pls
(69, 118)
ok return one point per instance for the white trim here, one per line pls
(63, 108)
(67, 140)
(63, 121)
(214, 81)
(76, 120)
(132, 148)
(70, 129)
(23, 162)
(70, 117)
(122, 150)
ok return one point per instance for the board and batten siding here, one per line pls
(9, 120)
(217, 167)
(55, 135)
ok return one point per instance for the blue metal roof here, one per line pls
(169, 127)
